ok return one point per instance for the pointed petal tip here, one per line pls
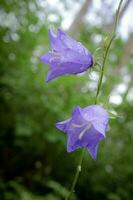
(47, 79)
(50, 32)
(76, 109)
(70, 149)
(60, 126)
(57, 124)
(59, 30)
(45, 58)
(52, 35)
(50, 76)
(41, 58)
(93, 151)
(94, 156)
(63, 125)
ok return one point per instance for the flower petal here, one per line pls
(100, 127)
(91, 136)
(77, 116)
(69, 55)
(95, 113)
(72, 142)
(55, 42)
(46, 58)
(59, 69)
(62, 126)
(54, 73)
(93, 150)
(71, 43)
(50, 59)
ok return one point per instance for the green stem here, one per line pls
(107, 51)
(78, 170)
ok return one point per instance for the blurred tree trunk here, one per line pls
(109, 27)
(124, 61)
(77, 22)
(128, 46)
(124, 8)
(126, 54)
(126, 51)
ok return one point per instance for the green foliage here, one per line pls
(34, 163)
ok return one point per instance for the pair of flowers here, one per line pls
(87, 126)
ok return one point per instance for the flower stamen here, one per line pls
(77, 125)
(84, 130)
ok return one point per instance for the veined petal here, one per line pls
(93, 150)
(95, 113)
(45, 58)
(72, 142)
(91, 136)
(59, 69)
(71, 43)
(69, 55)
(100, 127)
(77, 121)
(51, 58)
(62, 126)
(76, 113)
(55, 42)
(94, 138)
(54, 73)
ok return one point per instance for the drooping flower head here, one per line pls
(66, 56)
(86, 128)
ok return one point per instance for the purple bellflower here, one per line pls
(86, 128)
(67, 56)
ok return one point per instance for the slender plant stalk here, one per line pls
(78, 170)
(107, 51)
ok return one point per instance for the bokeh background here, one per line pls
(34, 164)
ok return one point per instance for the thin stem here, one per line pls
(107, 51)
(78, 170)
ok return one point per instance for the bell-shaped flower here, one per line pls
(66, 56)
(86, 128)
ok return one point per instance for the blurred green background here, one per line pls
(34, 164)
